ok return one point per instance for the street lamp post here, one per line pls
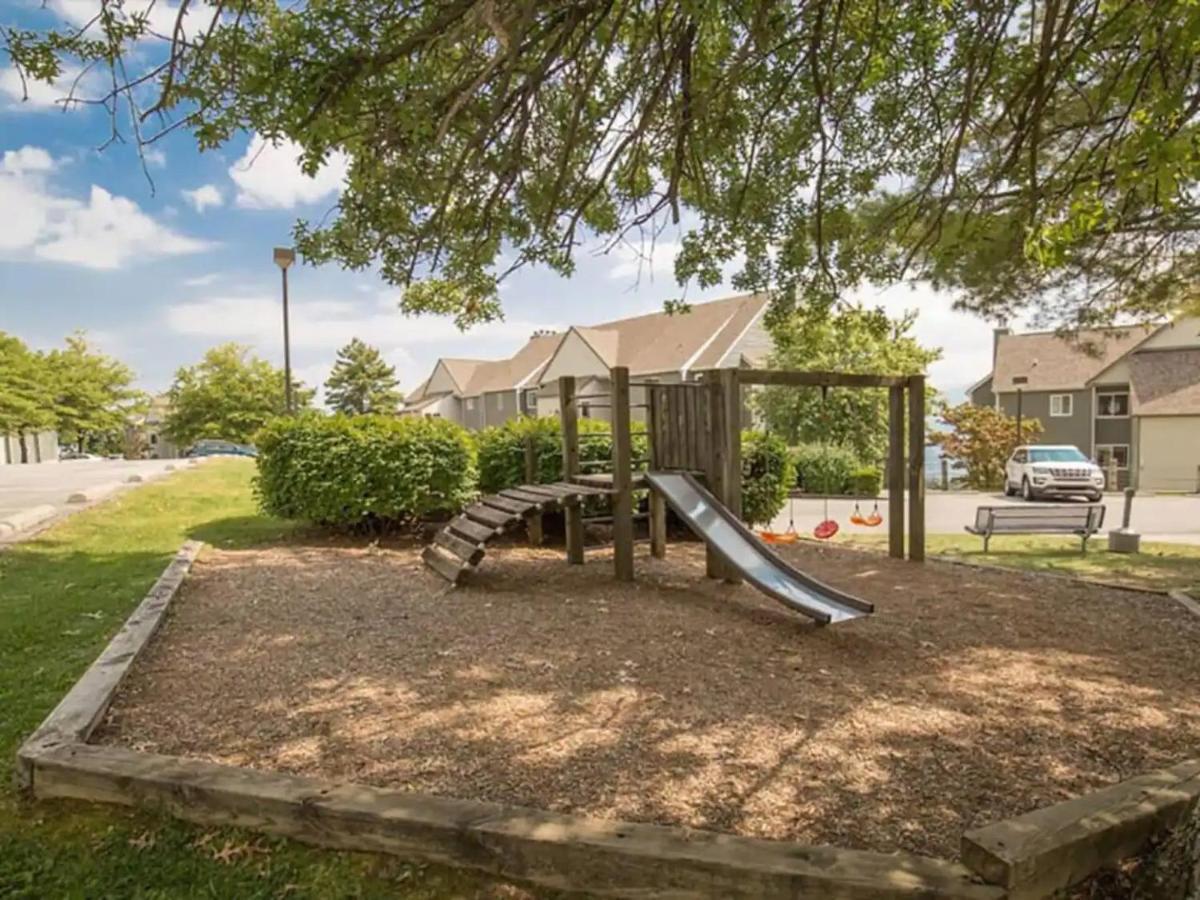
(284, 257)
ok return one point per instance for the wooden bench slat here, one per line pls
(467, 551)
(444, 564)
(526, 496)
(516, 507)
(488, 516)
(472, 531)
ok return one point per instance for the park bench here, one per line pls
(1081, 521)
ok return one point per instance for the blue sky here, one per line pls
(158, 272)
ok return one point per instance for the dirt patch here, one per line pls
(969, 696)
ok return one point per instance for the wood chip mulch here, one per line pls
(969, 696)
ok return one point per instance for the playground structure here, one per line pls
(694, 465)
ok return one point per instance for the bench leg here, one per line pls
(986, 540)
(1083, 549)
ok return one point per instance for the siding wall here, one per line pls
(1075, 429)
(982, 395)
(41, 447)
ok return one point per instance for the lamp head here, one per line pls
(284, 257)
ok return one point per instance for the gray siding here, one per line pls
(40, 447)
(1075, 429)
(982, 395)
(1114, 431)
(472, 413)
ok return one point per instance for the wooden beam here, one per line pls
(533, 524)
(916, 468)
(787, 377)
(658, 525)
(622, 439)
(714, 566)
(731, 399)
(896, 472)
(572, 513)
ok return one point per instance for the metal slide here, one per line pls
(738, 546)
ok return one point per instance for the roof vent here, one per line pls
(1020, 379)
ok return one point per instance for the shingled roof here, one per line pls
(1166, 382)
(1051, 362)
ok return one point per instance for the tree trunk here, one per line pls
(24, 446)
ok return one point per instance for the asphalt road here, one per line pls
(26, 487)
(1174, 519)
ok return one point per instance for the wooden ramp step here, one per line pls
(462, 543)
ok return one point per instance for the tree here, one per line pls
(361, 382)
(25, 397)
(857, 340)
(983, 438)
(230, 394)
(92, 394)
(1021, 151)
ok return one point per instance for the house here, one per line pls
(144, 434)
(660, 347)
(1126, 394)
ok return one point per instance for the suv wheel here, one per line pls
(1027, 493)
(1009, 490)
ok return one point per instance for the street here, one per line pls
(1171, 519)
(28, 489)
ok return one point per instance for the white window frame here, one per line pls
(1100, 415)
(1070, 407)
(529, 398)
(470, 404)
(1111, 447)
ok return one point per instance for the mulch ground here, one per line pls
(969, 696)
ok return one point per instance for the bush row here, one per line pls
(831, 469)
(365, 472)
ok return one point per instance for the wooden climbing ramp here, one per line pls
(461, 544)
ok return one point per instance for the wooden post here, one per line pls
(658, 506)
(572, 512)
(622, 527)
(731, 398)
(533, 523)
(896, 472)
(916, 468)
(715, 468)
(945, 474)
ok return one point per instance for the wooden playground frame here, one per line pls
(696, 427)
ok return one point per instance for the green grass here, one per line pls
(62, 596)
(1158, 566)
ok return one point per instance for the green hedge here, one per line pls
(363, 471)
(502, 450)
(824, 468)
(866, 480)
(767, 476)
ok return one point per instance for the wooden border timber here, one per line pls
(81, 710)
(1052, 848)
(606, 858)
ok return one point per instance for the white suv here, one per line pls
(1042, 470)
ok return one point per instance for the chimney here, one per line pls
(997, 333)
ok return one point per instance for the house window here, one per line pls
(585, 411)
(1118, 452)
(153, 440)
(1061, 405)
(500, 401)
(529, 398)
(470, 404)
(1112, 405)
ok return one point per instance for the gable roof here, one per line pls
(1166, 382)
(1051, 362)
(514, 372)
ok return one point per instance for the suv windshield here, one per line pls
(1056, 454)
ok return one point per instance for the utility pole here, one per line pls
(284, 257)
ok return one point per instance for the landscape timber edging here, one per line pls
(608, 858)
(80, 711)
(1052, 848)
(1186, 601)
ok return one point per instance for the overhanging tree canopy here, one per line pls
(1042, 151)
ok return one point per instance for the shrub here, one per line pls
(866, 480)
(824, 468)
(363, 471)
(502, 450)
(767, 476)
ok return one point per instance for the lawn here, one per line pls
(1158, 566)
(62, 596)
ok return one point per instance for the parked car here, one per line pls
(1058, 469)
(68, 453)
(209, 447)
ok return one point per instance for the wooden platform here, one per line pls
(461, 545)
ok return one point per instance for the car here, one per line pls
(69, 453)
(1062, 470)
(210, 447)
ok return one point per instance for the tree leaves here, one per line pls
(361, 382)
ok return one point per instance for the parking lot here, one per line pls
(1171, 519)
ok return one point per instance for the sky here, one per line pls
(159, 261)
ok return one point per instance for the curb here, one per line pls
(26, 518)
(91, 494)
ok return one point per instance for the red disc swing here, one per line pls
(827, 527)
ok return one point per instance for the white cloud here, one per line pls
(27, 159)
(203, 197)
(161, 14)
(201, 280)
(38, 96)
(102, 232)
(268, 176)
(155, 157)
(651, 261)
